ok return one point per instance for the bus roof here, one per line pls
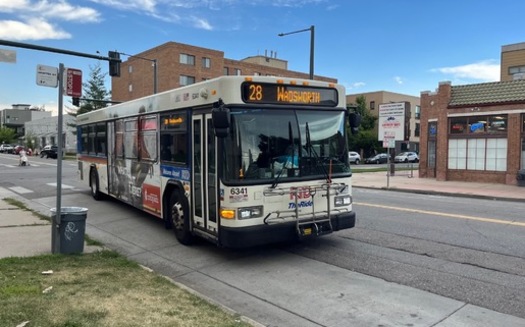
(227, 88)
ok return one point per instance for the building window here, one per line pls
(130, 88)
(416, 131)
(486, 154)
(206, 62)
(187, 59)
(458, 125)
(372, 105)
(516, 70)
(237, 71)
(186, 80)
(130, 69)
(226, 71)
(478, 125)
(418, 112)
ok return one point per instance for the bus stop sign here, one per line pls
(73, 82)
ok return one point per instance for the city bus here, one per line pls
(237, 160)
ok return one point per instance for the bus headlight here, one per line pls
(345, 200)
(250, 212)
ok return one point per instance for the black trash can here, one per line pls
(521, 177)
(68, 232)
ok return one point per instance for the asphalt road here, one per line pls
(412, 260)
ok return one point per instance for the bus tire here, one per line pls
(94, 184)
(180, 220)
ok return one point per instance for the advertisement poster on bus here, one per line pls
(391, 121)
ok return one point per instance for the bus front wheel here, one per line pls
(180, 219)
(94, 183)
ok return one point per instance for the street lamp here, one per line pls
(154, 61)
(311, 29)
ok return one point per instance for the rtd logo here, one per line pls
(302, 192)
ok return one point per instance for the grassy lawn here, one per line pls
(96, 290)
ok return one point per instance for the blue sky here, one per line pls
(402, 46)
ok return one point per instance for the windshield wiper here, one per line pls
(290, 143)
(319, 165)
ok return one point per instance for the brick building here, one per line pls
(476, 132)
(180, 64)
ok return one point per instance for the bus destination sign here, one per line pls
(253, 92)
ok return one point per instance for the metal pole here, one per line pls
(56, 222)
(312, 37)
(312, 28)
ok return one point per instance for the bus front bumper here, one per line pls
(273, 233)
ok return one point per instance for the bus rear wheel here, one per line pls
(94, 183)
(180, 219)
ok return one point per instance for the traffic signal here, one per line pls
(114, 63)
(76, 101)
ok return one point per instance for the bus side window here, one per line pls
(181, 153)
(165, 147)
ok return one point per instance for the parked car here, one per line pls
(378, 158)
(354, 157)
(17, 149)
(6, 148)
(407, 157)
(49, 151)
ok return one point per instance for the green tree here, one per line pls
(365, 141)
(368, 121)
(7, 135)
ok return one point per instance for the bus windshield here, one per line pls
(266, 145)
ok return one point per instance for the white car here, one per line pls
(354, 157)
(6, 148)
(407, 157)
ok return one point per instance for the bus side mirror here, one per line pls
(354, 119)
(220, 116)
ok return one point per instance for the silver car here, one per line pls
(354, 157)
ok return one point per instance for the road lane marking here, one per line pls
(20, 190)
(64, 186)
(449, 215)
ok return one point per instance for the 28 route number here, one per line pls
(256, 92)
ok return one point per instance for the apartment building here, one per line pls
(476, 132)
(176, 64)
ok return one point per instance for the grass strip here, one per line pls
(97, 290)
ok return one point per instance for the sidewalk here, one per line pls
(402, 181)
(24, 234)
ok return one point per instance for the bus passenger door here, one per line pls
(204, 186)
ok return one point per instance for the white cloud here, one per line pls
(398, 80)
(201, 23)
(355, 85)
(33, 20)
(33, 29)
(487, 71)
(129, 5)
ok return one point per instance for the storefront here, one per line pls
(473, 132)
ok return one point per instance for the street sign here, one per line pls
(389, 139)
(392, 119)
(46, 76)
(73, 82)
